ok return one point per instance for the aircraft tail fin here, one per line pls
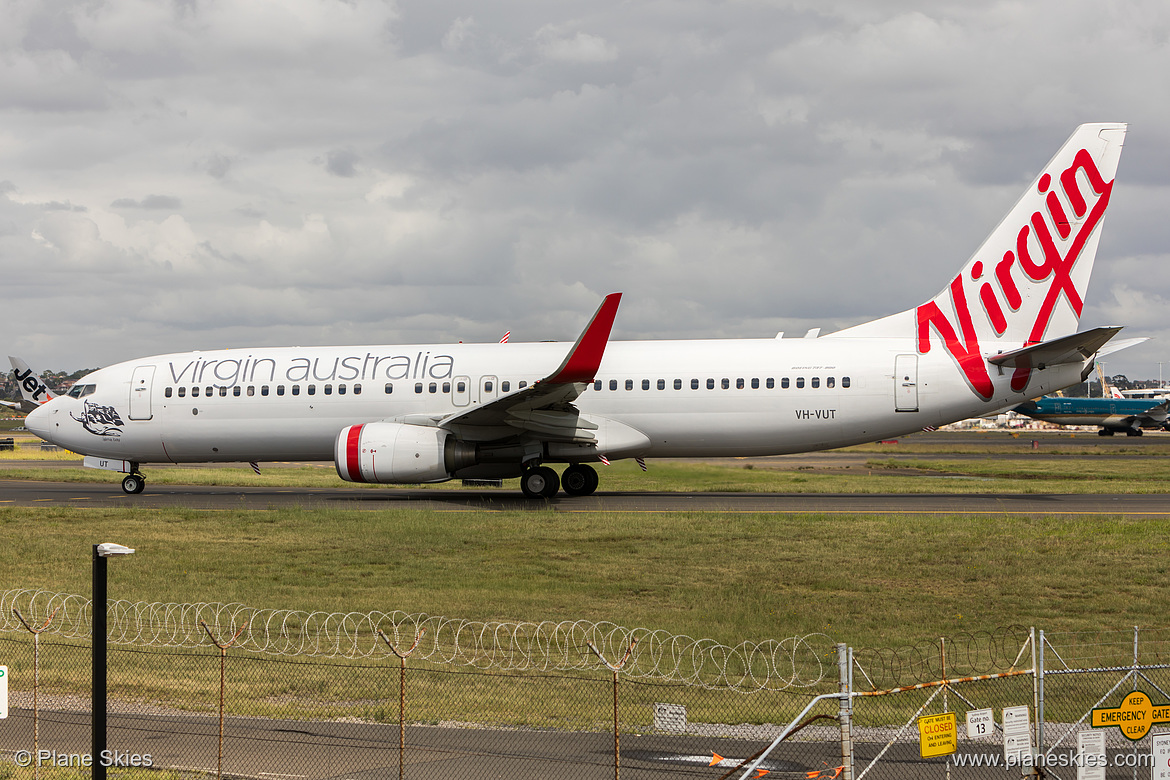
(33, 390)
(1027, 281)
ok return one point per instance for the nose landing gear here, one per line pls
(134, 483)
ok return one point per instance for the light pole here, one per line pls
(98, 644)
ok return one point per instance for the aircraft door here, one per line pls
(906, 383)
(140, 384)
(461, 391)
(489, 388)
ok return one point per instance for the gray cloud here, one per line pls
(167, 202)
(340, 162)
(737, 169)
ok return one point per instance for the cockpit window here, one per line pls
(81, 391)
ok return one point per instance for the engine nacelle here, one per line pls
(387, 452)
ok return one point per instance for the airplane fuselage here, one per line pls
(709, 398)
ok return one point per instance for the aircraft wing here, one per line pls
(1076, 348)
(1155, 415)
(545, 408)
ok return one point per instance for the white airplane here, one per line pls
(1003, 330)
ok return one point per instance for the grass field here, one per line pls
(873, 581)
(867, 580)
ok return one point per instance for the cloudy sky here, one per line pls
(227, 173)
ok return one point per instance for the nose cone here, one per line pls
(37, 421)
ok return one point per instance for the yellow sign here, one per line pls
(937, 735)
(1134, 717)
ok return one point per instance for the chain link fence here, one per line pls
(227, 690)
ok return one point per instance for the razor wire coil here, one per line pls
(793, 663)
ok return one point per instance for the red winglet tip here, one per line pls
(584, 359)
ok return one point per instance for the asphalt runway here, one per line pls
(40, 494)
(958, 446)
(329, 750)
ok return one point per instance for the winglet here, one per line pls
(583, 360)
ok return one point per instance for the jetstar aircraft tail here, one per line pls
(1027, 282)
(33, 391)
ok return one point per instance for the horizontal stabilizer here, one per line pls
(1076, 348)
(1117, 346)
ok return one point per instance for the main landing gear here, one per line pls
(542, 482)
(134, 483)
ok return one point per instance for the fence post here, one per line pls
(845, 708)
(36, 633)
(615, 668)
(222, 663)
(402, 695)
(1040, 697)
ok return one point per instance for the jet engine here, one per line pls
(388, 452)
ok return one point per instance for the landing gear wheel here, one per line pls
(540, 482)
(579, 480)
(134, 484)
(1104, 432)
(1134, 432)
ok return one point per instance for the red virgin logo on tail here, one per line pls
(1051, 268)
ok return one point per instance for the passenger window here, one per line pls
(446, 388)
(460, 387)
(263, 389)
(629, 384)
(182, 392)
(844, 381)
(194, 392)
(505, 386)
(296, 389)
(223, 392)
(710, 384)
(210, 391)
(784, 383)
(661, 384)
(613, 384)
(523, 385)
(739, 383)
(597, 384)
(389, 388)
(236, 391)
(770, 384)
(800, 381)
(646, 384)
(167, 392)
(433, 388)
(418, 388)
(487, 387)
(341, 389)
(694, 384)
(357, 389)
(816, 381)
(251, 390)
(678, 384)
(328, 389)
(725, 383)
(755, 383)
(311, 389)
(830, 381)
(280, 389)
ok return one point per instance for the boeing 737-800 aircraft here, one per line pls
(1003, 330)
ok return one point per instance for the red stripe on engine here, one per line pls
(353, 453)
